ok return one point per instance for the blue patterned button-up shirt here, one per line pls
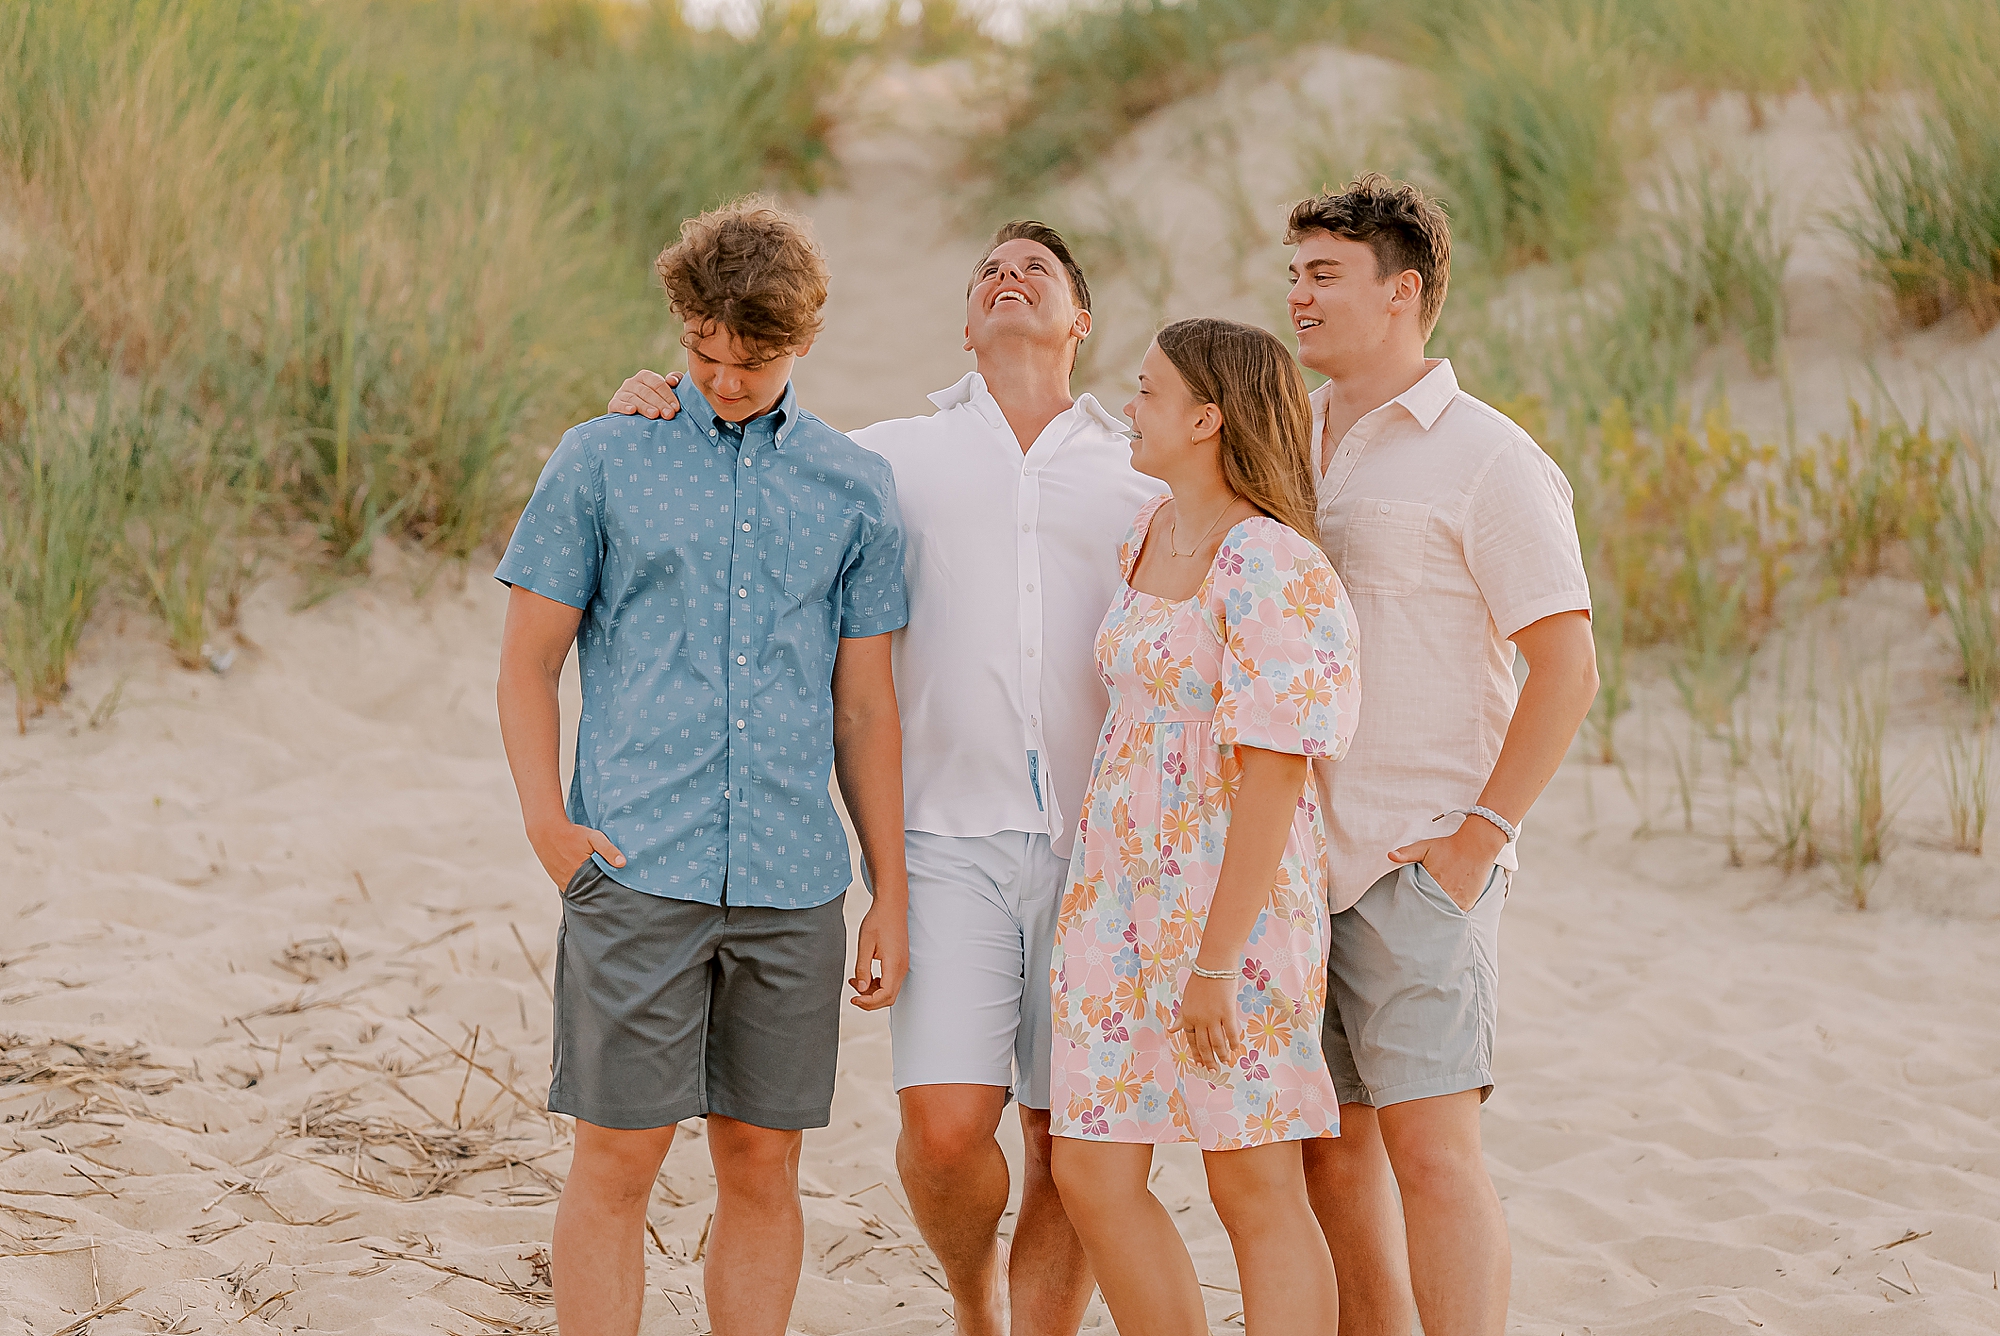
(717, 567)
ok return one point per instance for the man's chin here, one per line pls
(1317, 353)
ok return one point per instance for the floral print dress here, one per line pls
(1263, 655)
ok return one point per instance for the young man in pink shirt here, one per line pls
(1453, 533)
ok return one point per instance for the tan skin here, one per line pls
(756, 1242)
(1023, 326)
(1403, 1194)
(1141, 1264)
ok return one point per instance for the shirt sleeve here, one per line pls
(873, 600)
(1289, 646)
(1520, 540)
(557, 549)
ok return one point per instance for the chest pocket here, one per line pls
(806, 553)
(1384, 549)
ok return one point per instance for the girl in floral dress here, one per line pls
(1190, 957)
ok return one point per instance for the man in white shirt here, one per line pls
(1015, 498)
(1454, 536)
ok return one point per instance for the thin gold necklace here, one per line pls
(1174, 529)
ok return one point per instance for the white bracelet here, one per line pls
(1500, 823)
(1201, 973)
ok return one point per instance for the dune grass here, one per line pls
(1088, 74)
(348, 265)
(1930, 221)
(1533, 139)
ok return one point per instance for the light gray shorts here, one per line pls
(975, 1007)
(1413, 991)
(669, 1009)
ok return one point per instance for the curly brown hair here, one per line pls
(752, 269)
(1406, 228)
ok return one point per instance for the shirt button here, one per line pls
(742, 593)
(739, 723)
(1031, 654)
(1031, 589)
(711, 431)
(1024, 528)
(741, 659)
(1384, 509)
(746, 528)
(725, 793)
(746, 461)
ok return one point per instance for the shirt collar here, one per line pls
(1424, 401)
(971, 392)
(784, 415)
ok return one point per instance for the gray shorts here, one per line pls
(1413, 991)
(668, 1009)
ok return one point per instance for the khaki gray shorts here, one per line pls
(975, 1007)
(668, 1009)
(1413, 991)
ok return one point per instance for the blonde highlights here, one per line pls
(1266, 418)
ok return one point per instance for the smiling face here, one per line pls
(1169, 429)
(1022, 292)
(1343, 314)
(737, 385)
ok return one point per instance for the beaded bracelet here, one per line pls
(1201, 973)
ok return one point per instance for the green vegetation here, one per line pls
(341, 265)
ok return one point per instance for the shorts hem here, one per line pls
(774, 1120)
(1432, 1087)
(621, 1117)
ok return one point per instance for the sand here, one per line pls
(289, 918)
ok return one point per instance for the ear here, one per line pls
(1079, 328)
(803, 348)
(968, 336)
(1207, 424)
(1408, 292)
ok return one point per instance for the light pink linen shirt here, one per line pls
(1452, 531)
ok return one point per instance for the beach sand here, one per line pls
(288, 921)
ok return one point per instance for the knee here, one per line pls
(939, 1138)
(756, 1162)
(1344, 1163)
(616, 1168)
(1089, 1194)
(1437, 1170)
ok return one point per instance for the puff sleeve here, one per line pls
(1289, 645)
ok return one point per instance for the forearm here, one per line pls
(1260, 821)
(1554, 701)
(530, 730)
(868, 762)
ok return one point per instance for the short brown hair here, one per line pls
(1266, 418)
(1027, 229)
(1405, 227)
(751, 268)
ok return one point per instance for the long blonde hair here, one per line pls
(1266, 418)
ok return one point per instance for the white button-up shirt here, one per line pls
(1011, 560)
(1452, 531)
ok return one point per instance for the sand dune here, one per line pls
(290, 919)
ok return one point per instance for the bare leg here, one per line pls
(758, 1240)
(956, 1179)
(1281, 1257)
(1460, 1264)
(1353, 1193)
(1048, 1276)
(1141, 1264)
(598, 1254)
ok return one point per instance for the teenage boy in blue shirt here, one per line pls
(730, 578)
